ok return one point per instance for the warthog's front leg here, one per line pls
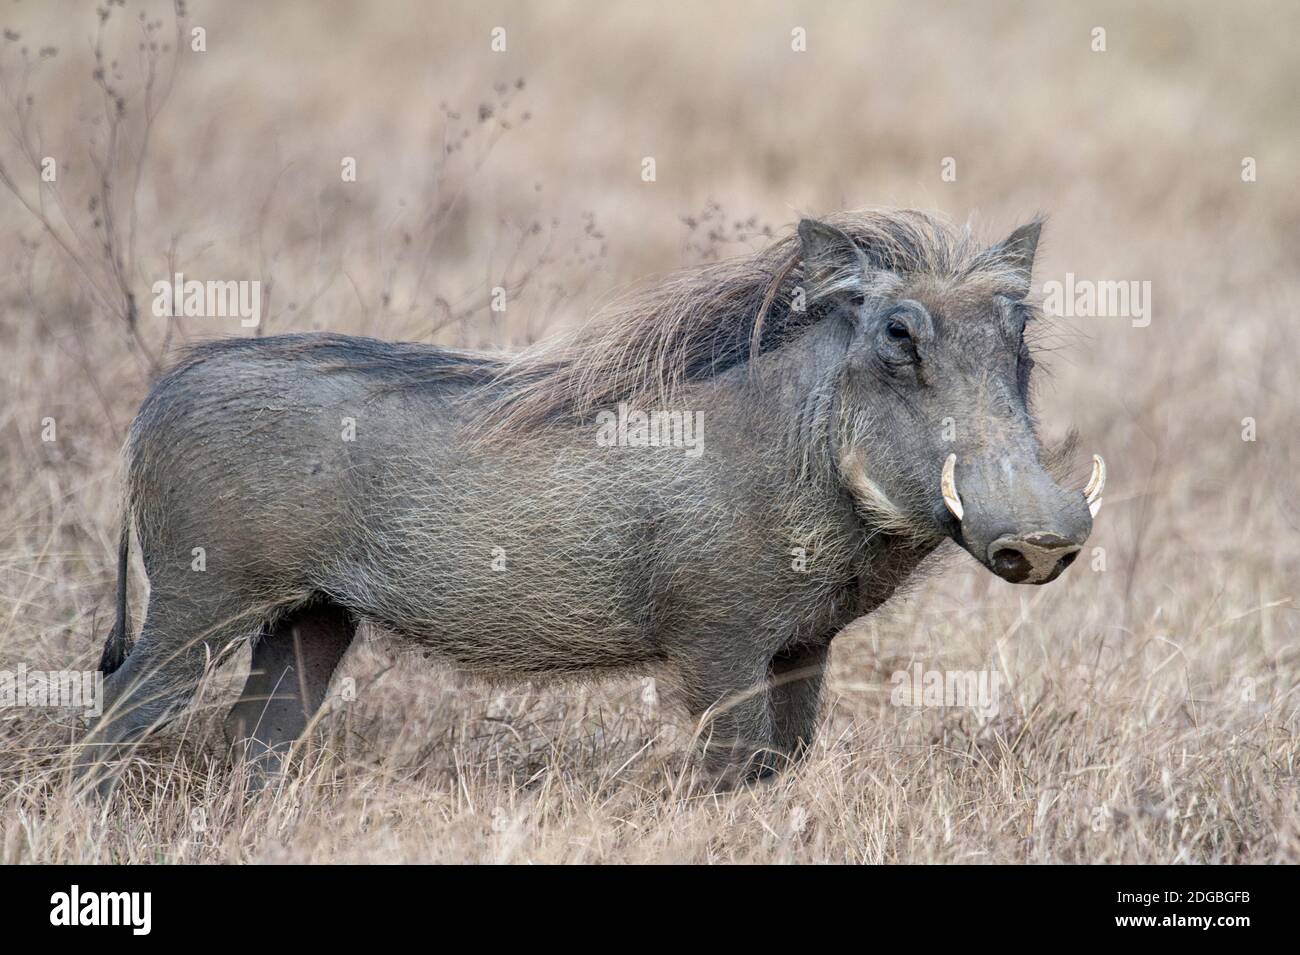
(796, 684)
(731, 701)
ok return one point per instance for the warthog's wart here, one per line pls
(866, 386)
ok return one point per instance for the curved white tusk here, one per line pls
(948, 484)
(1096, 484)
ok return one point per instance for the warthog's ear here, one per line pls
(833, 265)
(1016, 251)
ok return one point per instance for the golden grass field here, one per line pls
(1151, 710)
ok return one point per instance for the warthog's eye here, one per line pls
(901, 335)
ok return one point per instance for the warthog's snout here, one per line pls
(1018, 522)
(1032, 559)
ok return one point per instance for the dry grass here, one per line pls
(1151, 715)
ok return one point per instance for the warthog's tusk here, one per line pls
(1096, 484)
(948, 484)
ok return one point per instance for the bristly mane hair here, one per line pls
(702, 321)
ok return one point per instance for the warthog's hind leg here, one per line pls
(184, 630)
(293, 662)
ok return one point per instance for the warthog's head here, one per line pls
(933, 425)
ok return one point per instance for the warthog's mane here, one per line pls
(702, 321)
(694, 325)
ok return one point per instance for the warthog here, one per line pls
(859, 392)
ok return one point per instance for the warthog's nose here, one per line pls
(1032, 559)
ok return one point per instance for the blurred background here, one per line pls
(505, 145)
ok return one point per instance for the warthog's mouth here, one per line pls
(1037, 555)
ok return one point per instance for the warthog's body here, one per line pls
(550, 554)
(285, 488)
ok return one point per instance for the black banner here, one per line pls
(140, 905)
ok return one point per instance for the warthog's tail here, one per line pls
(117, 646)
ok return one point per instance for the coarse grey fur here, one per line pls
(472, 511)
